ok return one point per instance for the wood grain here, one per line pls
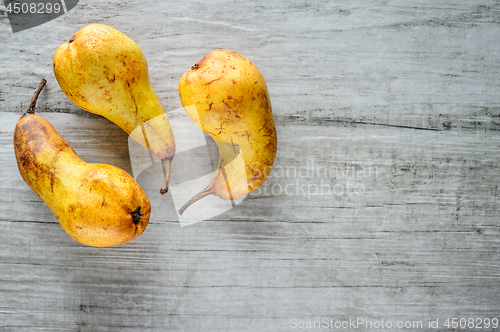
(390, 107)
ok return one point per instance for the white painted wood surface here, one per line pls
(397, 100)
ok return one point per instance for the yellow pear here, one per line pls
(104, 72)
(98, 205)
(226, 96)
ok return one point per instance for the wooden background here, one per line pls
(397, 100)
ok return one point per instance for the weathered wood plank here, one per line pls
(390, 107)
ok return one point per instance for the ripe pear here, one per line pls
(104, 72)
(98, 205)
(226, 96)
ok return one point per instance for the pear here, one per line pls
(226, 96)
(98, 205)
(104, 72)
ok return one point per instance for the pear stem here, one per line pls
(204, 193)
(168, 170)
(31, 109)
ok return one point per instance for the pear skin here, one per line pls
(104, 72)
(226, 96)
(98, 205)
